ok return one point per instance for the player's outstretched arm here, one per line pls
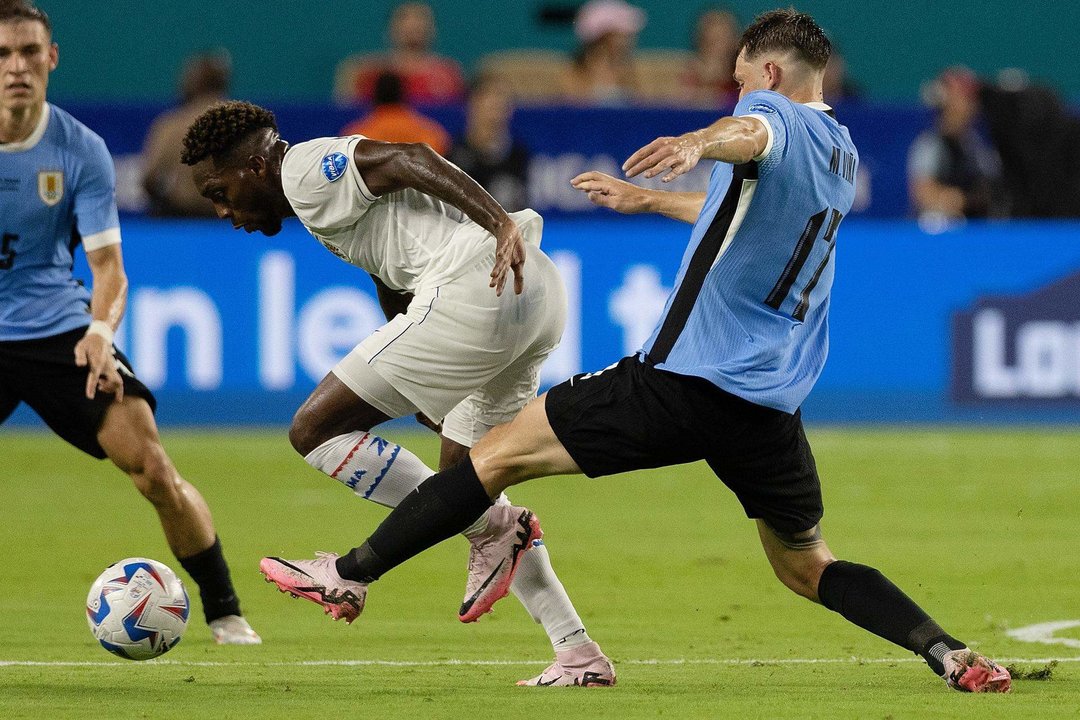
(734, 140)
(629, 199)
(107, 302)
(387, 167)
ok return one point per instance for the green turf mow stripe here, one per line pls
(454, 663)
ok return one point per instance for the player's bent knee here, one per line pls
(305, 434)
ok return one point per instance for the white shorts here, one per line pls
(460, 354)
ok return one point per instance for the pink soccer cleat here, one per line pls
(494, 557)
(318, 581)
(581, 666)
(968, 671)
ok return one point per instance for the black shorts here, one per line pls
(632, 416)
(42, 373)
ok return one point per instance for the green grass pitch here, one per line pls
(979, 526)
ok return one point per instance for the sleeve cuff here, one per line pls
(768, 143)
(368, 195)
(101, 239)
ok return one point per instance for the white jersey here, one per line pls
(407, 239)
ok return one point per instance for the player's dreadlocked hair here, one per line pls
(787, 30)
(14, 10)
(221, 128)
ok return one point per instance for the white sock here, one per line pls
(543, 595)
(375, 469)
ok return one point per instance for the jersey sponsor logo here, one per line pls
(333, 166)
(761, 107)
(333, 248)
(50, 186)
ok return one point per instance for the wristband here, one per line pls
(102, 328)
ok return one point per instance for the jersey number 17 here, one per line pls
(794, 266)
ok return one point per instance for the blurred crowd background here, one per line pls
(955, 108)
(956, 300)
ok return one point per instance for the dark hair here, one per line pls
(221, 128)
(787, 30)
(389, 90)
(15, 10)
(208, 73)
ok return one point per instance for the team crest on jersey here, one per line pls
(333, 248)
(50, 186)
(333, 166)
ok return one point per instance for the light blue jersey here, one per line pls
(750, 308)
(57, 190)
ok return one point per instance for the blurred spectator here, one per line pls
(707, 79)
(488, 152)
(394, 121)
(603, 71)
(1039, 143)
(952, 172)
(168, 182)
(837, 85)
(425, 76)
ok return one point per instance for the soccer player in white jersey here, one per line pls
(456, 350)
(742, 339)
(56, 349)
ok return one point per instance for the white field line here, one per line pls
(481, 663)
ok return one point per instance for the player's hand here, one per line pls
(612, 193)
(96, 353)
(674, 155)
(509, 256)
(428, 422)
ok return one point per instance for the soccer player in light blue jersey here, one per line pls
(56, 337)
(742, 339)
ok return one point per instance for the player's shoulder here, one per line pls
(69, 131)
(321, 159)
(765, 102)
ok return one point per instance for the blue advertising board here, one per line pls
(564, 141)
(980, 323)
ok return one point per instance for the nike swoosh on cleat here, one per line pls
(476, 595)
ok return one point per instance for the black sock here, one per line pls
(867, 598)
(444, 505)
(211, 574)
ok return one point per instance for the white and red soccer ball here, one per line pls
(137, 609)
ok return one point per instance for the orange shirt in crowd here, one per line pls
(400, 123)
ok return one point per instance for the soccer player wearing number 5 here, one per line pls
(740, 344)
(56, 349)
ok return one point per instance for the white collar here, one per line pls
(35, 136)
(818, 106)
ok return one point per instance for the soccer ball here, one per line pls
(137, 609)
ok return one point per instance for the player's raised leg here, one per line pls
(386, 473)
(129, 437)
(328, 431)
(865, 597)
(451, 501)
